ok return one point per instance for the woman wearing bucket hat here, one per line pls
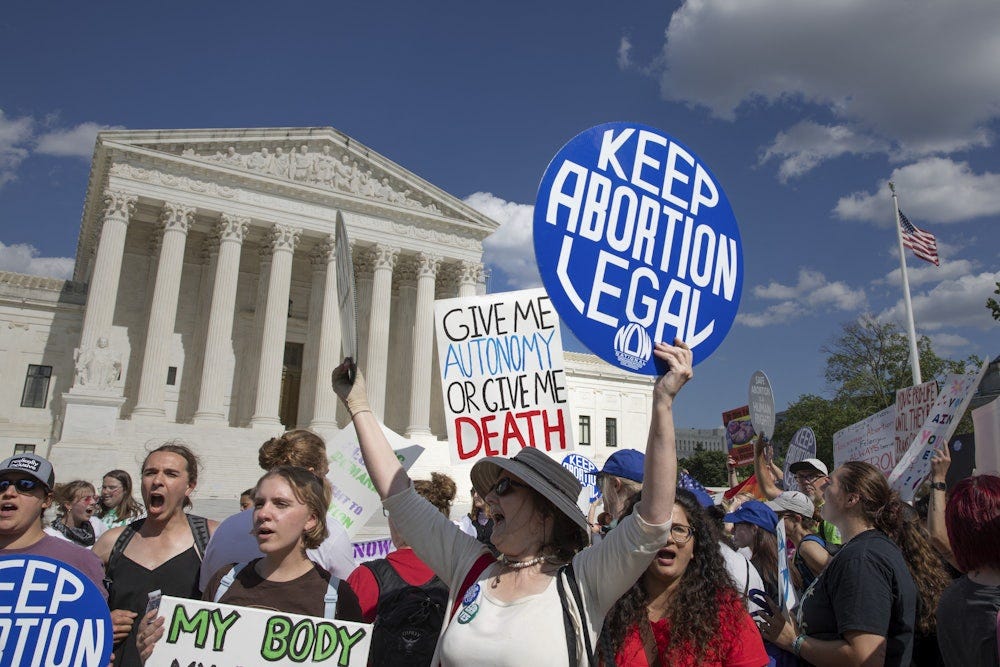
(512, 610)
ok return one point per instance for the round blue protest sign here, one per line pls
(636, 243)
(51, 614)
(585, 472)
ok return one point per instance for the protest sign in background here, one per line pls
(502, 375)
(954, 396)
(802, 447)
(585, 472)
(636, 243)
(354, 497)
(739, 434)
(372, 549)
(51, 614)
(986, 420)
(209, 633)
(913, 404)
(872, 440)
(785, 589)
(761, 400)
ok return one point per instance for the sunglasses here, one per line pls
(505, 484)
(22, 485)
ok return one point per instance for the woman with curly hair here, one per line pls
(880, 588)
(684, 609)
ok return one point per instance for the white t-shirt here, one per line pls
(232, 543)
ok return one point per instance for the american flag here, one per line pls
(923, 244)
(686, 481)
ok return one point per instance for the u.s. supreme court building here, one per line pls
(203, 308)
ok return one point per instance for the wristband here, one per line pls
(797, 645)
(939, 486)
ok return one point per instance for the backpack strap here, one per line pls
(330, 598)
(123, 539)
(574, 587)
(477, 569)
(227, 580)
(199, 528)
(815, 538)
(386, 577)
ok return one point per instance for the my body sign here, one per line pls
(636, 243)
(226, 636)
(51, 614)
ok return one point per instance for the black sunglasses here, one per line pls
(22, 485)
(504, 485)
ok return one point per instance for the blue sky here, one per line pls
(803, 111)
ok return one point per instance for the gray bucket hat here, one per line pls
(539, 471)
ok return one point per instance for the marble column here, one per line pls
(423, 340)
(175, 220)
(230, 233)
(102, 290)
(323, 344)
(470, 274)
(378, 326)
(283, 240)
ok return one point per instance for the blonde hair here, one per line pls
(311, 491)
(65, 494)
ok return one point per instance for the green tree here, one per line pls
(709, 468)
(993, 304)
(824, 416)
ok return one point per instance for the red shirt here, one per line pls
(407, 565)
(737, 643)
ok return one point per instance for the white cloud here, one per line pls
(921, 75)
(951, 303)
(945, 342)
(624, 53)
(24, 258)
(811, 292)
(15, 134)
(72, 142)
(805, 145)
(509, 250)
(928, 273)
(937, 190)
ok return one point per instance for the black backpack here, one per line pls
(408, 619)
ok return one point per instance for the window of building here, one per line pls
(172, 375)
(36, 386)
(611, 432)
(24, 449)
(584, 430)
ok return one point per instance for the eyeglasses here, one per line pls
(21, 485)
(112, 489)
(504, 485)
(680, 533)
(87, 499)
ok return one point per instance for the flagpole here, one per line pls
(914, 356)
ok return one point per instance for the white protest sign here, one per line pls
(954, 397)
(210, 633)
(785, 588)
(502, 375)
(913, 404)
(51, 614)
(354, 497)
(802, 447)
(986, 419)
(372, 549)
(871, 440)
(585, 472)
(761, 403)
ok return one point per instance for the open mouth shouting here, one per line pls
(666, 556)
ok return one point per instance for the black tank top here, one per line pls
(131, 586)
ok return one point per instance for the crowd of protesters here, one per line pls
(661, 575)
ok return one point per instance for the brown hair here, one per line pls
(439, 490)
(65, 494)
(311, 491)
(300, 448)
(186, 453)
(128, 508)
(881, 507)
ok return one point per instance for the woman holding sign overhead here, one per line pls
(513, 609)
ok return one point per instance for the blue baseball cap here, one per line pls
(625, 463)
(755, 512)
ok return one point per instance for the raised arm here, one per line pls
(386, 473)
(660, 474)
(765, 480)
(936, 528)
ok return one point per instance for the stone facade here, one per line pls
(203, 306)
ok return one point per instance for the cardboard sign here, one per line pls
(502, 375)
(761, 400)
(954, 397)
(372, 549)
(913, 404)
(739, 434)
(345, 293)
(585, 472)
(51, 614)
(209, 633)
(872, 440)
(355, 499)
(802, 447)
(636, 243)
(785, 588)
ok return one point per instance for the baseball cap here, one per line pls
(755, 512)
(793, 501)
(31, 464)
(625, 463)
(808, 465)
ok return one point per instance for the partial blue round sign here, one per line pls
(51, 614)
(585, 472)
(636, 243)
